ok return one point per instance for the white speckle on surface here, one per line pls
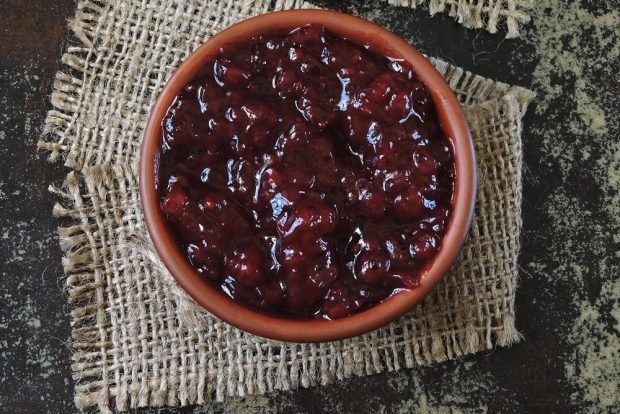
(34, 323)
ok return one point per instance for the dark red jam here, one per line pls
(306, 176)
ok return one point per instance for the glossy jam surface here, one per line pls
(306, 176)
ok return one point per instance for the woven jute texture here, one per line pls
(137, 339)
(478, 14)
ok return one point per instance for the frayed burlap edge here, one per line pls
(478, 14)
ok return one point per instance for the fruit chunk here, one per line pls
(245, 263)
(372, 267)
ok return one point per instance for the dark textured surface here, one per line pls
(567, 303)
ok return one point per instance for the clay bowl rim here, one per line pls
(319, 330)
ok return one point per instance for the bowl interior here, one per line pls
(453, 124)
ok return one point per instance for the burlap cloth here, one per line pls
(137, 339)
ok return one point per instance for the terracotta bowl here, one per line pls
(454, 126)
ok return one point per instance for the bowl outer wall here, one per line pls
(453, 124)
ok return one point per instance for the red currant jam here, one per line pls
(306, 176)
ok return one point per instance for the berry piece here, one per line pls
(397, 251)
(245, 263)
(424, 247)
(210, 98)
(311, 215)
(399, 106)
(372, 267)
(273, 294)
(227, 73)
(372, 202)
(175, 202)
(208, 264)
(381, 88)
(424, 162)
(409, 204)
(395, 182)
(341, 301)
(302, 296)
